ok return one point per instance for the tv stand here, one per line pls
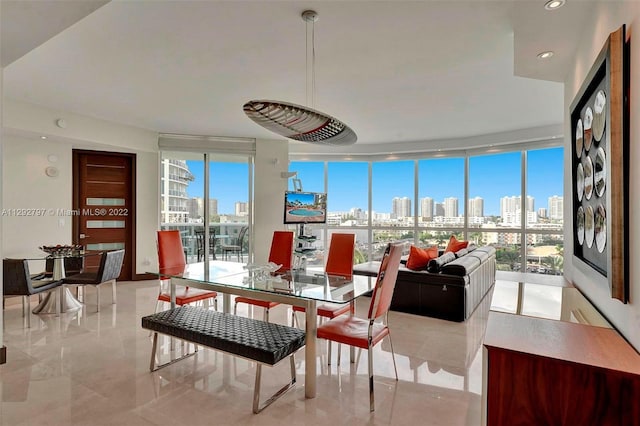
(303, 247)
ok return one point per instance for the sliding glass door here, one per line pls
(208, 198)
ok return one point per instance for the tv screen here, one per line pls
(305, 207)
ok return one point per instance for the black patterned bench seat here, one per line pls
(260, 341)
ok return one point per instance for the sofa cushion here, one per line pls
(483, 253)
(419, 257)
(437, 263)
(461, 266)
(461, 252)
(455, 245)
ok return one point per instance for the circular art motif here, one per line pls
(579, 137)
(589, 226)
(588, 178)
(580, 181)
(588, 122)
(599, 115)
(600, 174)
(580, 225)
(601, 227)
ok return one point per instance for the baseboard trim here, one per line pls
(141, 277)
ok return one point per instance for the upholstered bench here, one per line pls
(260, 341)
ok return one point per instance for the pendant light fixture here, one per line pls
(298, 122)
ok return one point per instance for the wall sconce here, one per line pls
(287, 175)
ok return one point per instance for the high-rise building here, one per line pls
(542, 212)
(531, 203)
(213, 207)
(439, 209)
(401, 207)
(242, 208)
(475, 207)
(196, 207)
(556, 207)
(175, 177)
(511, 205)
(426, 208)
(451, 207)
(357, 213)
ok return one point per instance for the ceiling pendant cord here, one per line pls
(313, 63)
(310, 17)
(307, 83)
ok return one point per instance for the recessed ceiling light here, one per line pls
(545, 55)
(43, 137)
(554, 4)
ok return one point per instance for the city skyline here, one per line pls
(491, 177)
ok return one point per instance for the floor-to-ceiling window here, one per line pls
(508, 198)
(441, 200)
(495, 180)
(207, 198)
(545, 244)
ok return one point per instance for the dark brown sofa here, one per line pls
(452, 293)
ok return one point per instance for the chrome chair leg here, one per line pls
(393, 356)
(98, 298)
(113, 292)
(371, 399)
(26, 309)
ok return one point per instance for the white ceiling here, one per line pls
(397, 72)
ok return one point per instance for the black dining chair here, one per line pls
(72, 265)
(236, 246)
(17, 281)
(108, 272)
(200, 243)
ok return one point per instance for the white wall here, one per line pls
(26, 186)
(607, 17)
(1, 205)
(272, 158)
(147, 211)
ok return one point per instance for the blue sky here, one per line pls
(491, 177)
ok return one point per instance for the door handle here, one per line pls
(83, 236)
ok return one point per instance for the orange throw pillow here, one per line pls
(455, 245)
(419, 258)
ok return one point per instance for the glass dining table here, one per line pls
(296, 288)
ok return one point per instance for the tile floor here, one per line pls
(89, 368)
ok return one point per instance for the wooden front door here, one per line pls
(104, 197)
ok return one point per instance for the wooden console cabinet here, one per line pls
(547, 372)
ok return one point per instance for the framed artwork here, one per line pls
(599, 123)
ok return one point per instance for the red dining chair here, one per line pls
(340, 263)
(366, 333)
(172, 262)
(281, 254)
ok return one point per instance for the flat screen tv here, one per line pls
(305, 207)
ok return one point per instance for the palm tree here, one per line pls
(508, 256)
(359, 257)
(554, 263)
